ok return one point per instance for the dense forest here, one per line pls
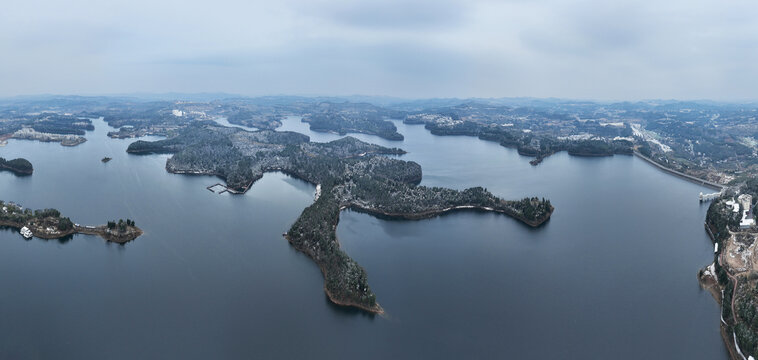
(254, 118)
(18, 166)
(723, 225)
(528, 143)
(50, 224)
(371, 123)
(313, 233)
(62, 124)
(12, 214)
(352, 173)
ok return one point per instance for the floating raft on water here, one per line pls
(213, 189)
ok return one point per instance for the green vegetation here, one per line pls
(50, 224)
(721, 221)
(241, 157)
(65, 224)
(599, 147)
(351, 173)
(346, 282)
(747, 311)
(530, 144)
(121, 225)
(62, 124)
(254, 118)
(709, 140)
(18, 166)
(372, 124)
(13, 215)
(347, 117)
(313, 233)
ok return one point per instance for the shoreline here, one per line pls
(681, 175)
(708, 280)
(310, 234)
(16, 171)
(378, 310)
(709, 283)
(102, 231)
(434, 213)
(423, 215)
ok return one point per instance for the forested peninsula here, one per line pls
(351, 174)
(18, 166)
(527, 144)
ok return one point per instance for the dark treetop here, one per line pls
(18, 166)
(351, 174)
(49, 224)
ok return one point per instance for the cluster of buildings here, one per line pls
(745, 202)
(11, 205)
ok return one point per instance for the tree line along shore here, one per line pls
(50, 224)
(20, 166)
(732, 278)
(350, 173)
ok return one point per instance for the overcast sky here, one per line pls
(596, 49)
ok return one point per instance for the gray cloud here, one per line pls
(341, 67)
(395, 14)
(578, 49)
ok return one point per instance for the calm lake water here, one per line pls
(611, 275)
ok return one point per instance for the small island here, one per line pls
(348, 173)
(49, 224)
(20, 166)
(106, 159)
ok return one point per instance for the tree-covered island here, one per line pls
(350, 173)
(50, 224)
(18, 166)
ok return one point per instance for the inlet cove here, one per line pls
(614, 259)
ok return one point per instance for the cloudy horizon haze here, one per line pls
(620, 50)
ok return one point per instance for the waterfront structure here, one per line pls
(709, 197)
(746, 202)
(25, 232)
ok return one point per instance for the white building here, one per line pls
(746, 202)
(735, 206)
